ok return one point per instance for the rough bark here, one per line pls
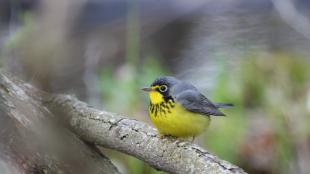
(129, 136)
(32, 141)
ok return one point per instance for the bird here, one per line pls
(178, 109)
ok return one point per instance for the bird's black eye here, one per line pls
(163, 88)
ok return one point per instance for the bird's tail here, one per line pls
(223, 105)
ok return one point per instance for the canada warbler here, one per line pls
(178, 109)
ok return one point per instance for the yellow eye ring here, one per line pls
(163, 88)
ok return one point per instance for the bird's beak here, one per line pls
(147, 89)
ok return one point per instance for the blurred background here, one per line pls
(255, 54)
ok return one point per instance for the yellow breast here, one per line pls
(173, 119)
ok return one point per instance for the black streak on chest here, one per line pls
(162, 108)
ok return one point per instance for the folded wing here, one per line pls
(194, 101)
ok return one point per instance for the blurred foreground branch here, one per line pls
(116, 132)
(32, 141)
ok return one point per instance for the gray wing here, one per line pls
(194, 101)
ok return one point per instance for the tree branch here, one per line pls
(137, 139)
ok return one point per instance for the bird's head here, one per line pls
(160, 89)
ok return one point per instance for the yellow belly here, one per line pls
(180, 122)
